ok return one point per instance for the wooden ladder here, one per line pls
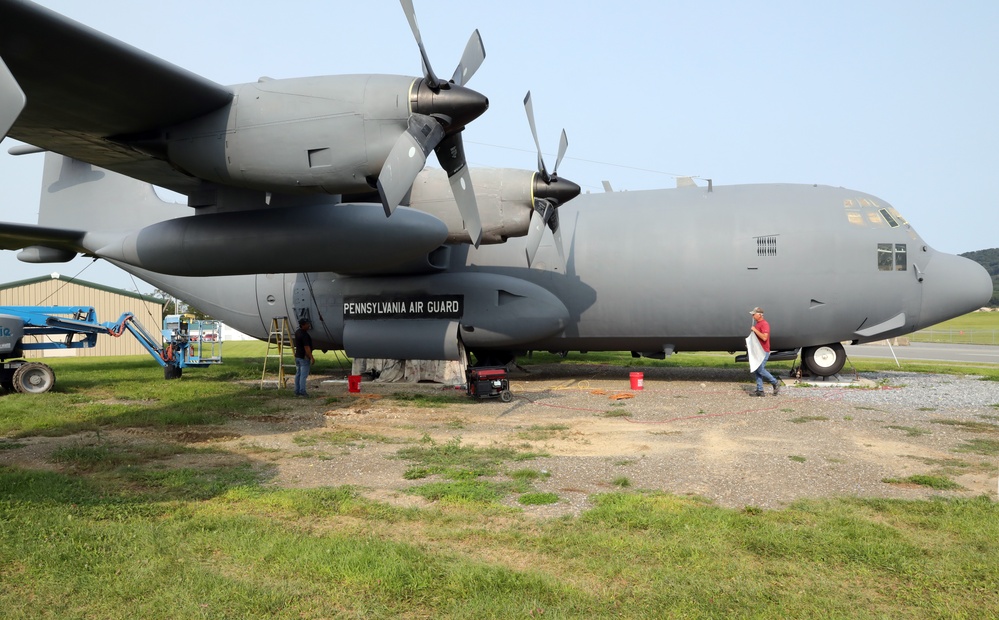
(279, 344)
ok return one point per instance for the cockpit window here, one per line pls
(888, 218)
(885, 259)
(892, 257)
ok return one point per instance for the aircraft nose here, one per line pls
(952, 286)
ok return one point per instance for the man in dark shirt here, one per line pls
(303, 356)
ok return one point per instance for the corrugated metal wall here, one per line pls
(108, 303)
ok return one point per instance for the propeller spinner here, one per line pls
(549, 193)
(440, 111)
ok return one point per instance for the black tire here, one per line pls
(506, 396)
(33, 378)
(825, 360)
(172, 372)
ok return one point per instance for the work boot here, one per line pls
(776, 388)
(758, 393)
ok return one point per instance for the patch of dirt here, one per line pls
(689, 431)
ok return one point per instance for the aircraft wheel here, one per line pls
(825, 360)
(33, 378)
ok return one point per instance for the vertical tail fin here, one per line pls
(80, 196)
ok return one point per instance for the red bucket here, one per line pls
(637, 380)
(354, 383)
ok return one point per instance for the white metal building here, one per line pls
(109, 303)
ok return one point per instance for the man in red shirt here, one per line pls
(762, 330)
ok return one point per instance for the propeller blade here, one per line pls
(406, 159)
(471, 60)
(548, 189)
(542, 211)
(12, 100)
(557, 234)
(563, 144)
(451, 156)
(428, 72)
(534, 132)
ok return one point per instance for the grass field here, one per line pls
(104, 530)
(973, 328)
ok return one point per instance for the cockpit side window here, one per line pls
(885, 259)
(892, 257)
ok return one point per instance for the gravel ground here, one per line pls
(690, 431)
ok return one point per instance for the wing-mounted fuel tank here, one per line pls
(308, 238)
(423, 317)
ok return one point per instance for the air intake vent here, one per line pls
(766, 246)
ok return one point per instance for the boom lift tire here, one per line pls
(172, 372)
(825, 360)
(33, 378)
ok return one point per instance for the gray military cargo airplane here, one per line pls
(652, 272)
(831, 265)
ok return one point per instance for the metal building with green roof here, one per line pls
(110, 303)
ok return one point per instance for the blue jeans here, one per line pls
(763, 374)
(302, 367)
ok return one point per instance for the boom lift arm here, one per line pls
(73, 327)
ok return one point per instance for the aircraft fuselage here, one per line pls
(650, 271)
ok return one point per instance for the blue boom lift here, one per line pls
(74, 327)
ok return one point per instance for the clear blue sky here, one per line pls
(896, 98)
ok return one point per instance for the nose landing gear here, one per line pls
(824, 360)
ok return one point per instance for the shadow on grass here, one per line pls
(147, 488)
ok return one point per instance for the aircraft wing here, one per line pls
(82, 89)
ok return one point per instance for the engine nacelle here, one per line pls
(304, 135)
(505, 197)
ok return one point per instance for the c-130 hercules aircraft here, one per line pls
(300, 229)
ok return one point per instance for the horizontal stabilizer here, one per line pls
(41, 244)
(17, 236)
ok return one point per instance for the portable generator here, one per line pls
(488, 382)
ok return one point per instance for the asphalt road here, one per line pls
(974, 353)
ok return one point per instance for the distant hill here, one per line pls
(990, 260)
